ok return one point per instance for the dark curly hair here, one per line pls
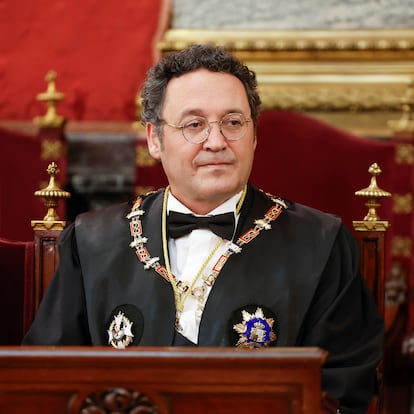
(213, 58)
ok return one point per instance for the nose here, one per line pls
(215, 140)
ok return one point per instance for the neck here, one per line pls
(204, 207)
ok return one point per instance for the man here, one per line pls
(147, 273)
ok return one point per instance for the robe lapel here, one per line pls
(243, 281)
(158, 296)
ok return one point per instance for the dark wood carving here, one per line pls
(114, 401)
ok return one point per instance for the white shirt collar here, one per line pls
(229, 205)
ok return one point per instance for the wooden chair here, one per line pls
(26, 267)
(26, 259)
(370, 235)
(46, 235)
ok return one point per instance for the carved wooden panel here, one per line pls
(160, 380)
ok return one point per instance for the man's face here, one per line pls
(202, 176)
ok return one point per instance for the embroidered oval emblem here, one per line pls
(256, 330)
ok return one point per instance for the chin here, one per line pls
(219, 184)
(221, 191)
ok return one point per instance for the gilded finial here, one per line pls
(51, 195)
(51, 97)
(406, 122)
(373, 193)
(137, 125)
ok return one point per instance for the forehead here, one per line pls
(206, 92)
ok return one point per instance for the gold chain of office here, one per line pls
(143, 255)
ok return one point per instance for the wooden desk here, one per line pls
(160, 380)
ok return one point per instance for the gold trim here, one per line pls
(401, 246)
(402, 203)
(405, 125)
(330, 97)
(264, 41)
(49, 225)
(51, 149)
(380, 225)
(404, 154)
(329, 70)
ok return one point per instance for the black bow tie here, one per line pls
(180, 224)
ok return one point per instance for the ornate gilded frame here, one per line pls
(330, 72)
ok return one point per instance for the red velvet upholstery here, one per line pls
(24, 159)
(311, 162)
(16, 281)
(21, 173)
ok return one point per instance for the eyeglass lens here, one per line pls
(233, 126)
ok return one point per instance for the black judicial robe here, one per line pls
(304, 273)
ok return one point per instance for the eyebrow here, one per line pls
(200, 112)
(191, 112)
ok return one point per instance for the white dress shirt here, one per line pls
(187, 254)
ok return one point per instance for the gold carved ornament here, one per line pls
(52, 97)
(373, 193)
(51, 196)
(263, 41)
(403, 129)
(405, 125)
(401, 246)
(52, 149)
(138, 126)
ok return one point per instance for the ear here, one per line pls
(153, 141)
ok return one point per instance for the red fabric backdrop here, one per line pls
(100, 50)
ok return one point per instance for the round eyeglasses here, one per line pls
(232, 126)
